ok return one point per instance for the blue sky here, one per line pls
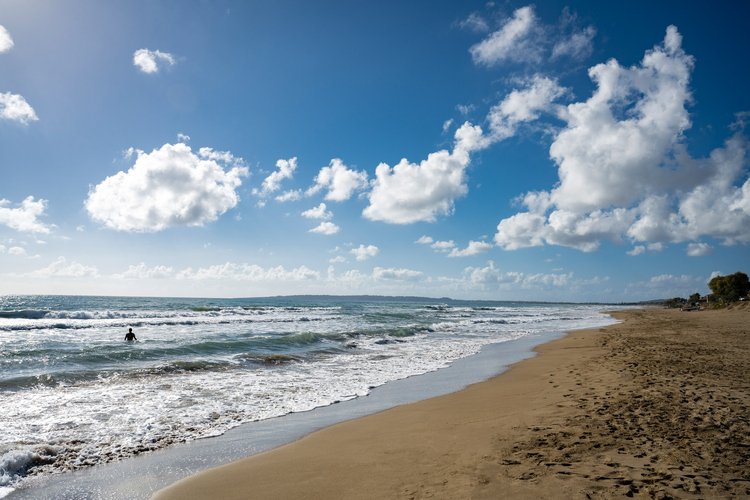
(576, 151)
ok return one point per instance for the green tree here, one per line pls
(695, 297)
(730, 288)
(675, 302)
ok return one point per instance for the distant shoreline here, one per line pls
(356, 298)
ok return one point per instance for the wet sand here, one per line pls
(655, 407)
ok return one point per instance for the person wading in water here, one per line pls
(130, 335)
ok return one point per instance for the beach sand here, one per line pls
(655, 407)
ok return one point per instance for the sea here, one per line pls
(74, 393)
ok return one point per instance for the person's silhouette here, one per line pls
(130, 335)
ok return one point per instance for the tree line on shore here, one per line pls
(726, 289)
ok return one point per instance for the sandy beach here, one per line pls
(654, 407)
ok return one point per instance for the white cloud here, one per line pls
(465, 109)
(519, 106)
(443, 246)
(604, 160)
(340, 181)
(524, 105)
(248, 272)
(272, 183)
(578, 45)
(409, 193)
(327, 228)
(291, 195)
(17, 251)
(657, 247)
(474, 248)
(512, 42)
(391, 274)
(183, 138)
(6, 41)
(141, 271)
(424, 240)
(447, 125)
(15, 108)
(520, 231)
(364, 252)
(61, 268)
(150, 61)
(171, 186)
(669, 285)
(339, 258)
(475, 23)
(628, 173)
(2, 248)
(699, 249)
(637, 250)
(24, 218)
(492, 275)
(318, 212)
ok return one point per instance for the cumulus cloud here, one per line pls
(443, 246)
(141, 271)
(327, 228)
(536, 95)
(365, 252)
(248, 272)
(150, 61)
(624, 168)
(17, 251)
(492, 275)
(474, 248)
(61, 268)
(291, 195)
(699, 249)
(512, 42)
(15, 108)
(6, 41)
(340, 181)
(318, 212)
(25, 217)
(409, 193)
(424, 240)
(338, 258)
(637, 250)
(171, 186)
(272, 183)
(183, 138)
(391, 274)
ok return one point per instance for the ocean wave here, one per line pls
(25, 314)
(493, 322)
(15, 463)
(268, 359)
(139, 321)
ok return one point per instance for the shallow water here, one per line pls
(75, 394)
